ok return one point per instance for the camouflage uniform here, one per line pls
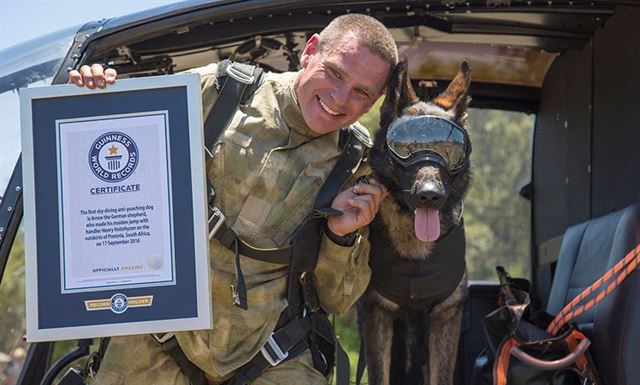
(266, 171)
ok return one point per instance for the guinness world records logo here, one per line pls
(113, 156)
(119, 303)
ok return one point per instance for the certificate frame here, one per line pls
(115, 175)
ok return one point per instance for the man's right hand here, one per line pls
(92, 77)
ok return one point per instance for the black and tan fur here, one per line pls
(404, 345)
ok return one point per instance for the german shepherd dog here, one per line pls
(410, 315)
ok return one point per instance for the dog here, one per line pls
(410, 315)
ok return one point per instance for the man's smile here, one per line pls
(327, 109)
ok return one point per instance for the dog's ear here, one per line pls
(399, 95)
(456, 96)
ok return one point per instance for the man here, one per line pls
(266, 170)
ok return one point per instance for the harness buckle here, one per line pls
(280, 355)
(163, 337)
(219, 219)
(238, 75)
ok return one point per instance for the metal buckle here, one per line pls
(165, 337)
(219, 221)
(235, 296)
(239, 75)
(280, 355)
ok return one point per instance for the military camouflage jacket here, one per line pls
(266, 170)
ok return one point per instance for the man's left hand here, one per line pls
(359, 205)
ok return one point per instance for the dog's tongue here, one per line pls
(427, 224)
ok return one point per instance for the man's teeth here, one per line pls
(329, 110)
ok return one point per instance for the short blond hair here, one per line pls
(370, 33)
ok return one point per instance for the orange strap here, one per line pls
(620, 271)
(501, 365)
(572, 340)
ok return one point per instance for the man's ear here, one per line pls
(312, 46)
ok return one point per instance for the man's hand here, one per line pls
(92, 77)
(359, 205)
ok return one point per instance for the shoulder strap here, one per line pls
(355, 143)
(306, 241)
(235, 83)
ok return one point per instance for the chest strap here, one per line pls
(228, 238)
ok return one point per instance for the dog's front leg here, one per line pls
(376, 329)
(444, 335)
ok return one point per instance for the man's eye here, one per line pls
(363, 93)
(335, 73)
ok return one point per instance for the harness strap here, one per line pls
(306, 241)
(95, 358)
(227, 237)
(362, 363)
(284, 344)
(235, 82)
(194, 374)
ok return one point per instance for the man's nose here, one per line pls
(340, 94)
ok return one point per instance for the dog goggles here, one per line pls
(429, 138)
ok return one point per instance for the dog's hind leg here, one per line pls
(376, 329)
(444, 335)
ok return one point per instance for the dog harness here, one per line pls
(417, 284)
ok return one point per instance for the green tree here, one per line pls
(497, 219)
(12, 299)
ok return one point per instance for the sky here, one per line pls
(22, 20)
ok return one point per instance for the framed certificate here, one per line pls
(115, 209)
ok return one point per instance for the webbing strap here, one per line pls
(235, 89)
(227, 236)
(352, 154)
(343, 370)
(501, 364)
(235, 83)
(284, 344)
(620, 271)
(194, 374)
(572, 341)
(362, 363)
(95, 358)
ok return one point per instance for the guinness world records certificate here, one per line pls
(121, 201)
(115, 224)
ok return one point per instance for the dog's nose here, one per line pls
(430, 195)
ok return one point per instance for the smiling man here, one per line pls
(266, 170)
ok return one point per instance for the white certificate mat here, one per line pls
(116, 222)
